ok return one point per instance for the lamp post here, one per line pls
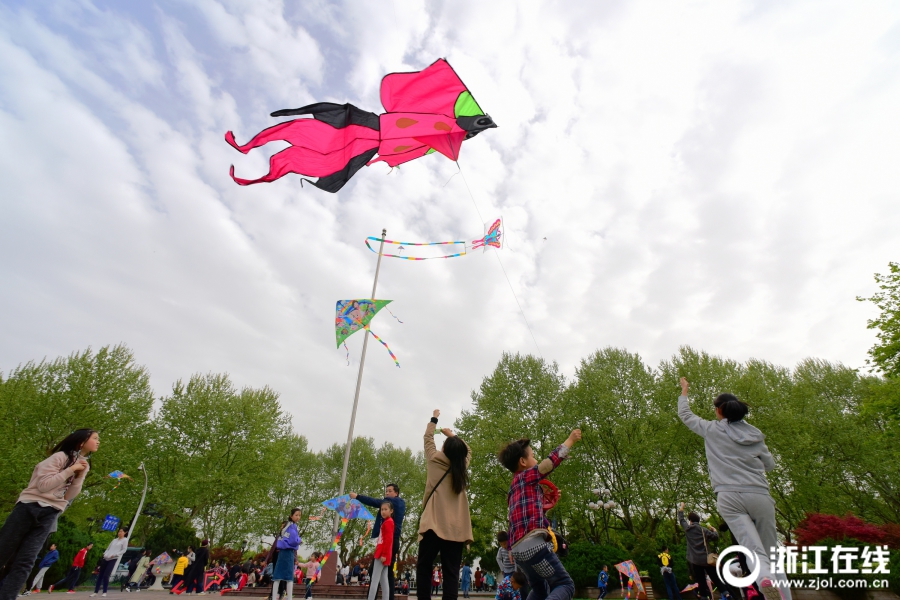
(136, 515)
(607, 506)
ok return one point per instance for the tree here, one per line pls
(885, 354)
(218, 457)
(43, 402)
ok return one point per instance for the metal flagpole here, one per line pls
(362, 363)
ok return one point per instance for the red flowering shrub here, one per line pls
(228, 555)
(817, 527)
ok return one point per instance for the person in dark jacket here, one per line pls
(392, 495)
(197, 571)
(48, 561)
(699, 541)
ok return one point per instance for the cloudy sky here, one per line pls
(721, 174)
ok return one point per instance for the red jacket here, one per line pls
(385, 546)
(79, 558)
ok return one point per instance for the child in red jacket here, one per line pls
(383, 553)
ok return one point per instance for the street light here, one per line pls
(607, 506)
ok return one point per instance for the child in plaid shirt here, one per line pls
(529, 540)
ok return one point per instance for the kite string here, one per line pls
(497, 254)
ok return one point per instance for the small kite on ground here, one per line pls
(354, 315)
(629, 570)
(425, 111)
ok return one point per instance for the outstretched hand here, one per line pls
(448, 432)
(681, 506)
(353, 495)
(436, 413)
(573, 437)
(684, 386)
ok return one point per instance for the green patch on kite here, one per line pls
(466, 106)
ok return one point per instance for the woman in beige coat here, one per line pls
(446, 525)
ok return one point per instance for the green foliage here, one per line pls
(885, 354)
(585, 560)
(171, 537)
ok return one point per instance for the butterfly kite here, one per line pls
(352, 316)
(491, 238)
(425, 111)
(347, 508)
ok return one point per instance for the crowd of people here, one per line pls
(737, 460)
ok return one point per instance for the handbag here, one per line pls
(711, 557)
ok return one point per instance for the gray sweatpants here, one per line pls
(751, 519)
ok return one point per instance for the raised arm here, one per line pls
(561, 452)
(368, 501)
(430, 448)
(681, 519)
(687, 416)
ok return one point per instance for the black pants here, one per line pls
(71, 578)
(700, 572)
(21, 538)
(176, 579)
(106, 567)
(394, 554)
(451, 557)
(194, 580)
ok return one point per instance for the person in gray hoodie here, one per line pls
(738, 459)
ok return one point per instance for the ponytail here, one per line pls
(732, 409)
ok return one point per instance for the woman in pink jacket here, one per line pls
(54, 483)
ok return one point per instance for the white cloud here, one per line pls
(719, 175)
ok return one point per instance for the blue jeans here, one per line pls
(671, 586)
(546, 575)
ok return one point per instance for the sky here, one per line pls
(717, 174)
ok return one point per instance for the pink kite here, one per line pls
(425, 111)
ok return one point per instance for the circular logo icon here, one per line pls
(723, 567)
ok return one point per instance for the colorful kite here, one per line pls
(119, 476)
(629, 570)
(354, 315)
(491, 238)
(426, 111)
(348, 508)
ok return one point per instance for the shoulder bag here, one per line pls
(711, 557)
